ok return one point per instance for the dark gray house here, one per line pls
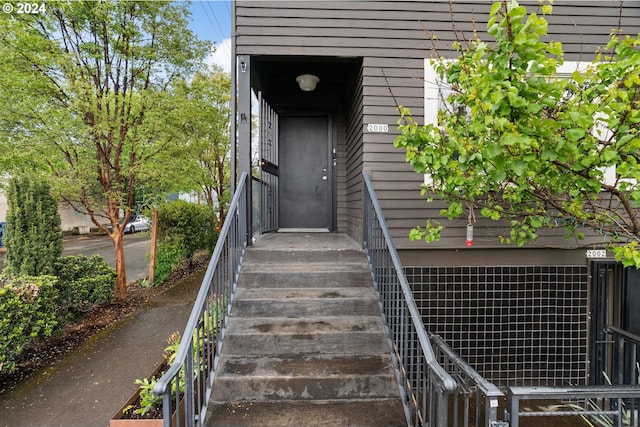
(514, 313)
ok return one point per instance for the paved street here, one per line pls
(136, 247)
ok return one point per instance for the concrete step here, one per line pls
(295, 377)
(318, 325)
(338, 343)
(304, 267)
(304, 307)
(305, 343)
(347, 256)
(307, 365)
(317, 413)
(284, 294)
(253, 276)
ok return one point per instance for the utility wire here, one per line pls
(219, 34)
(218, 22)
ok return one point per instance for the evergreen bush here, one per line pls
(33, 235)
(27, 314)
(189, 225)
(82, 283)
(168, 257)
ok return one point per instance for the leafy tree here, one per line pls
(87, 89)
(33, 238)
(207, 98)
(521, 145)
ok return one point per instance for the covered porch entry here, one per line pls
(300, 149)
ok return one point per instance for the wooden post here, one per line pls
(154, 246)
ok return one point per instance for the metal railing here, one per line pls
(476, 401)
(596, 405)
(424, 384)
(186, 386)
(622, 356)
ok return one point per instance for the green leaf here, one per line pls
(609, 155)
(495, 8)
(493, 150)
(508, 139)
(518, 167)
(574, 134)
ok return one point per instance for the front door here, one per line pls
(304, 172)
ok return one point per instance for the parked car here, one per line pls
(2, 226)
(137, 223)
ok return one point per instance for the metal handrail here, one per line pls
(187, 384)
(424, 384)
(611, 405)
(624, 365)
(470, 384)
(629, 336)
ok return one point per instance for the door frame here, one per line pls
(331, 159)
(610, 305)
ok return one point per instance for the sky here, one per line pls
(211, 20)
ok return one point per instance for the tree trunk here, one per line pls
(121, 273)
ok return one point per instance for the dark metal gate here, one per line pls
(615, 298)
(268, 167)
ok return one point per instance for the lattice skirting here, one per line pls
(516, 325)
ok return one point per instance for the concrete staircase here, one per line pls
(305, 344)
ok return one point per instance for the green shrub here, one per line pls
(83, 282)
(188, 225)
(168, 257)
(33, 235)
(27, 314)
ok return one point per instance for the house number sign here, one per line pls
(377, 127)
(596, 253)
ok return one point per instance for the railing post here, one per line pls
(188, 384)
(443, 410)
(513, 406)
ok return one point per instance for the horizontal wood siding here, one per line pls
(392, 38)
(354, 163)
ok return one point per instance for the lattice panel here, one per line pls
(516, 325)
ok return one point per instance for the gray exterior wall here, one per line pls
(390, 39)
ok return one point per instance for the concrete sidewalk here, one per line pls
(91, 383)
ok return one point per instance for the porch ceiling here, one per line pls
(276, 76)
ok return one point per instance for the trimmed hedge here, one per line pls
(27, 314)
(183, 229)
(83, 282)
(189, 225)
